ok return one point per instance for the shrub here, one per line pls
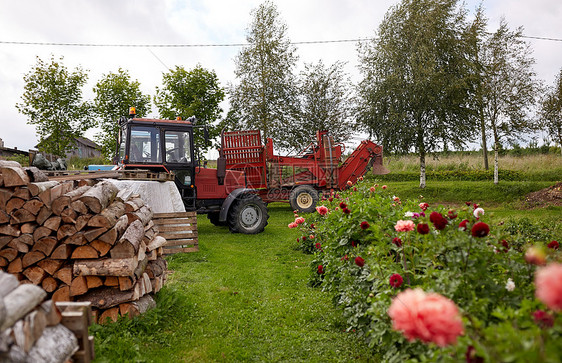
(480, 267)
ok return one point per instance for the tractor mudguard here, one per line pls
(229, 200)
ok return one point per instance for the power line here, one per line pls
(214, 45)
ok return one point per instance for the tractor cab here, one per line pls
(160, 146)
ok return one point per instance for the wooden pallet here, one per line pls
(77, 317)
(179, 230)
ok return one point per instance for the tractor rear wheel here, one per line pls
(247, 215)
(304, 199)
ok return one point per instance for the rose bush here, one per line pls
(375, 247)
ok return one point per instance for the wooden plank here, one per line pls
(176, 228)
(174, 215)
(182, 242)
(162, 222)
(172, 250)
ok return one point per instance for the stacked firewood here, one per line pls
(80, 241)
(30, 328)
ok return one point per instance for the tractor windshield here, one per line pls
(177, 147)
(145, 145)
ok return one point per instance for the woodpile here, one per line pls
(80, 241)
(35, 330)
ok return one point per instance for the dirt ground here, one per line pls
(545, 197)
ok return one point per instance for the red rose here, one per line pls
(462, 225)
(353, 243)
(468, 203)
(346, 210)
(422, 228)
(395, 280)
(452, 214)
(480, 229)
(359, 261)
(543, 319)
(440, 224)
(434, 216)
(397, 241)
(365, 225)
(554, 245)
(320, 269)
(318, 245)
(343, 205)
(505, 245)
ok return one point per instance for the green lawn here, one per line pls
(240, 298)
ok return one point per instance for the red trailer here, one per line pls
(298, 179)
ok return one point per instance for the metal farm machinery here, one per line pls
(298, 179)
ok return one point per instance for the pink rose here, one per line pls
(429, 317)
(292, 225)
(548, 283)
(372, 189)
(404, 226)
(299, 220)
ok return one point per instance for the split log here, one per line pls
(46, 245)
(99, 196)
(64, 274)
(79, 286)
(20, 302)
(50, 266)
(93, 233)
(37, 188)
(62, 294)
(5, 195)
(34, 206)
(53, 223)
(126, 283)
(107, 297)
(41, 232)
(129, 243)
(116, 232)
(79, 207)
(43, 215)
(77, 239)
(69, 215)
(60, 190)
(14, 204)
(4, 240)
(85, 252)
(9, 230)
(109, 315)
(32, 257)
(157, 242)
(134, 204)
(124, 195)
(65, 230)
(4, 217)
(62, 252)
(109, 216)
(25, 238)
(35, 175)
(28, 228)
(23, 193)
(106, 267)
(49, 284)
(22, 216)
(94, 281)
(3, 263)
(9, 253)
(144, 214)
(35, 274)
(8, 283)
(57, 344)
(14, 176)
(18, 246)
(144, 304)
(127, 309)
(59, 204)
(82, 221)
(140, 268)
(52, 313)
(9, 163)
(21, 332)
(102, 247)
(112, 281)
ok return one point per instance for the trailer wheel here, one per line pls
(248, 215)
(304, 199)
(214, 219)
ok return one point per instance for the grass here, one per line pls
(241, 298)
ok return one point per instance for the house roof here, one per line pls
(80, 140)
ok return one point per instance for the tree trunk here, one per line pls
(496, 150)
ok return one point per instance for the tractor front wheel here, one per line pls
(248, 215)
(303, 199)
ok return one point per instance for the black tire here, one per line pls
(247, 215)
(214, 219)
(304, 199)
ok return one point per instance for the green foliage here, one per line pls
(52, 101)
(325, 94)
(196, 92)
(551, 110)
(471, 271)
(265, 97)
(114, 94)
(417, 80)
(77, 163)
(22, 159)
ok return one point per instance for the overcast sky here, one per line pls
(207, 22)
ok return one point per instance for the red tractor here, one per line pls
(298, 179)
(168, 146)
